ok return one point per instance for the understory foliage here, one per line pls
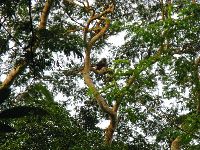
(55, 97)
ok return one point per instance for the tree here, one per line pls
(158, 63)
(55, 130)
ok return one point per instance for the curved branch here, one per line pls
(111, 111)
(87, 65)
(101, 101)
(100, 16)
(99, 35)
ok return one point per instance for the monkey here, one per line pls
(101, 64)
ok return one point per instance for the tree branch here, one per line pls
(93, 17)
(45, 14)
(112, 112)
(175, 145)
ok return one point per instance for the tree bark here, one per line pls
(109, 131)
(176, 143)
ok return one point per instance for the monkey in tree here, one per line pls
(101, 68)
(101, 64)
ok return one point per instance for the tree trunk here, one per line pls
(176, 143)
(109, 131)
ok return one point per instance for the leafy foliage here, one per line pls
(21, 111)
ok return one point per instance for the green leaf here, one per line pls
(44, 90)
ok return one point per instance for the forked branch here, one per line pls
(100, 18)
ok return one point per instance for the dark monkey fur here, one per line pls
(102, 63)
